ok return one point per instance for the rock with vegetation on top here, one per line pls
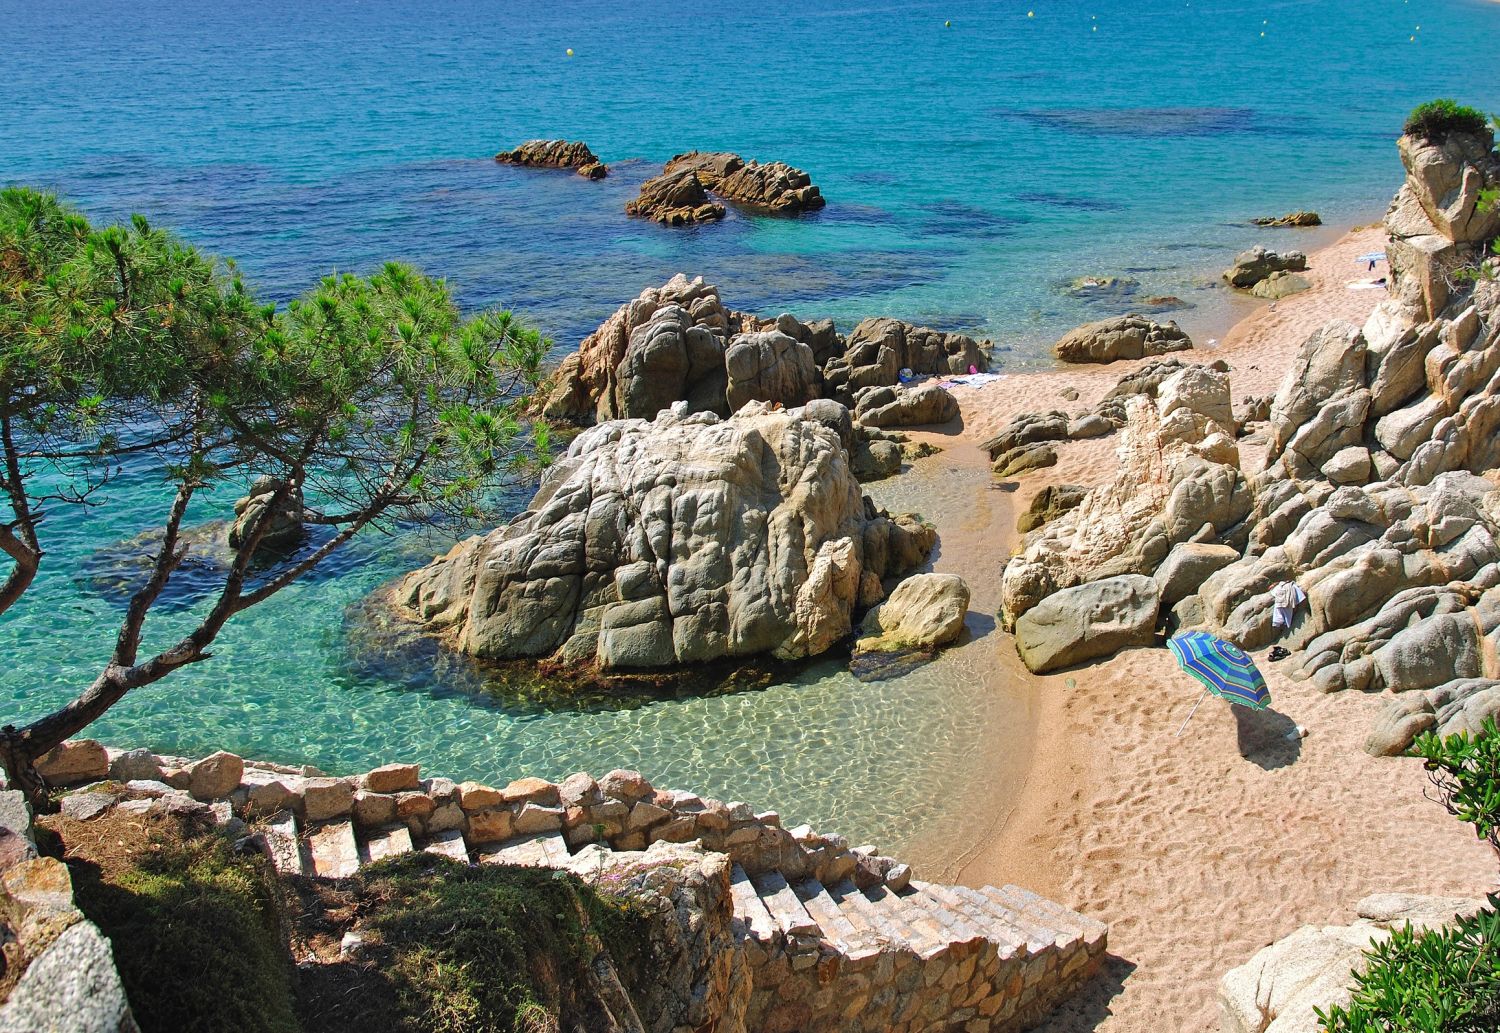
(556, 154)
(1251, 267)
(1122, 337)
(1087, 622)
(682, 540)
(674, 199)
(1290, 219)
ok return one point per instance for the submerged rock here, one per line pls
(556, 154)
(1122, 337)
(677, 541)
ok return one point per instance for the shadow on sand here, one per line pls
(1087, 1007)
(1267, 738)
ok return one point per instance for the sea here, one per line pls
(977, 158)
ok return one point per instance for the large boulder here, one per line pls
(1050, 503)
(1251, 267)
(556, 154)
(285, 526)
(879, 349)
(770, 366)
(1281, 284)
(925, 611)
(1088, 622)
(1122, 337)
(902, 406)
(681, 540)
(674, 199)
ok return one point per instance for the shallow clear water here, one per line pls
(970, 171)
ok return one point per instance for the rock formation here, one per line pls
(925, 612)
(286, 525)
(775, 187)
(674, 199)
(1251, 267)
(879, 349)
(1290, 219)
(556, 154)
(678, 342)
(1122, 337)
(1376, 492)
(681, 540)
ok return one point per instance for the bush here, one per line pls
(1439, 981)
(1434, 120)
(196, 928)
(1465, 771)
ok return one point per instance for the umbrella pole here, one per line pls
(1190, 714)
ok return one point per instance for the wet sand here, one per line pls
(1196, 850)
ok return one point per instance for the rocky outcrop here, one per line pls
(556, 154)
(674, 199)
(681, 540)
(879, 349)
(1122, 337)
(1278, 989)
(775, 187)
(1458, 707)
(903, 406)
(1297, 219)
(769, 366)
(1251, 267)
(1178, 481)
(1050, 503)
(819, 335)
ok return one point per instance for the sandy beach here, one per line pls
(1202, 849)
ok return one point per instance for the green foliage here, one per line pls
(1434, 120)
(196, 928)
(1465, 771)
(488, 949)
(1439, 981)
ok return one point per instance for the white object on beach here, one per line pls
(1286, 597)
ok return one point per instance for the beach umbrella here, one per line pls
(1373, 256)
(1224, 670)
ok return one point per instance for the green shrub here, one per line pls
(1434, 120)
(487, 948)
(196, 927)
(1440, 981)
(1465, 771)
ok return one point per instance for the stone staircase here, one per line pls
(915, 956)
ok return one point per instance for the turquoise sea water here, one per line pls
(970, 170)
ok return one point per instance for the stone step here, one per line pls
(332, 850)
(542, 850)
(1000, 919)
(1093, 931)
(1037, 930)
(282, 843)
(449, 843)
(748, 908)
(865, 916)
(390, 841)
(960, 927)
(840, 933)
(926, 936)
(952, 901)
(786, 910)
